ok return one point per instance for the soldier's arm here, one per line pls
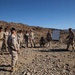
(67, 37)
(14, 44)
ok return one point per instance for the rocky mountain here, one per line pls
(39, 31)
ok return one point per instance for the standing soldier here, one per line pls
(6, 34)
(32, 38)
(20, 38)
(49, 38)
(1, 39)
(14, 48)
(70, 38)
(26, 37)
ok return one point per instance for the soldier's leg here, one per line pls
(40, 44)
(19, 43)
(9, 49)
(43, 44)
(6, 46)
(17, 60)
(49, 43)
(1, 46)
(33, 43)
(72, 43)
(27, 43)
(73, 47)
(46, 44)
(68, 45)
(14, 59)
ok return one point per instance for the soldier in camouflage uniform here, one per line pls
(14, 48)
(1, 39)
(70, 38)
(49, 38)
(32, 38)
(6, 34)
(21, 37)
(26, 37)
(42, 42)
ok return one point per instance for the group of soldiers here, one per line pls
(12, 41)
(70, 39)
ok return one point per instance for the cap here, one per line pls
(70, 28)
(13, 29)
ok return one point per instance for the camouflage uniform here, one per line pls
(26, 37)
(70, 39)
(32, 40)
(20, 38)
(49, 38)
(42, 42)
(1, 40)
(14, 48)
(6, 34)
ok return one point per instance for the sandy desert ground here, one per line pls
(41, 61)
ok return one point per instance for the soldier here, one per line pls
(6, 34)
(70, 38)
(1, 39)
(49, 38)
(26, 37)
(42, 42)
(20, 38)
(14, 48)
(32, 38)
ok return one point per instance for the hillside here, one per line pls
(54, 60)
(39, 31)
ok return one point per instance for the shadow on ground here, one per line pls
(5, 53)
(53, 50)
(3, 68)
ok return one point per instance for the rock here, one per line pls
(25, 73)
(28, 73)
(67, 64)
